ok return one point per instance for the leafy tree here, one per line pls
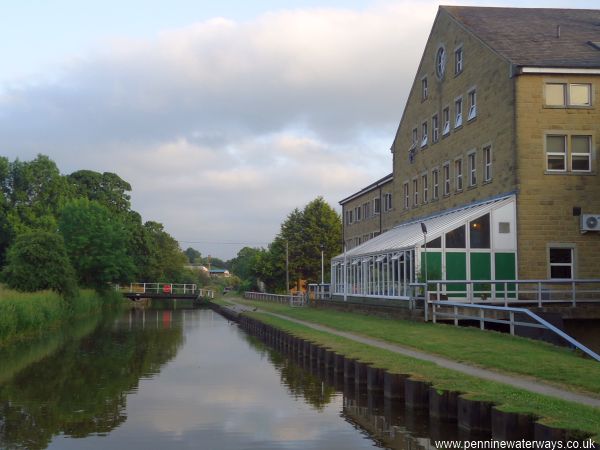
(96, 243)
(106, 188)
(193, 255)
(38, 260)
(247, 266)
(167, 261)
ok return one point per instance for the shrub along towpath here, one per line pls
(519, 375)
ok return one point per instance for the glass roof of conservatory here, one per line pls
(410, 234)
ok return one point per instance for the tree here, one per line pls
(96, 242)
(247, 266)
(193, 255)
(106, 188)
(166, 260)
(38, 260)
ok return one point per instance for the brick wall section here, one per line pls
(545, 201)
(494, 124)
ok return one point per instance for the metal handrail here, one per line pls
(546, 325)
(293, 300)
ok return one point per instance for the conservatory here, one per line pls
(473, 242)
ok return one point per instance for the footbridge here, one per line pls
(136, 291)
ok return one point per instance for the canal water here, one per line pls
(158, 379)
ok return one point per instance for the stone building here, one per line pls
(496, 154)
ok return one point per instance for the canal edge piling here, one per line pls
(471, 417)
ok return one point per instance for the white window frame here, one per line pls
(424, 133)
(564, 154)
(425, 187)
(376, 206)
(447, 178)
(567, 94)
(435, 128)
(387, 201)
(572, 154)
(446, 120)
(472, 104)
(458, 61)
(406, 193)
(472, 163)
(424, 88)
(589, 92)
(415, 138)
(487, 164)
(458, 174)
(440, 62)
(572, 247)
(415, 191)
(435, 179)
(458, 112)
(357, 215)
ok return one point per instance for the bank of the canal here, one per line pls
(529, 360)
(24, 315)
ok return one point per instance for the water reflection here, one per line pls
(190, 379)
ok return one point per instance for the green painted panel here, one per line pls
(505, 270)
(481, 269)
(434, 265)
(456, 269)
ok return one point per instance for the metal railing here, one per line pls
(513, 317)
(537, 292)
(319, 291)
(292, 299)
(156, 288)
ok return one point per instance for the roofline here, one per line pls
(561, 70)
(369, 188)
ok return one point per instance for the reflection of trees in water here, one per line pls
(81, 389)
(300, 382)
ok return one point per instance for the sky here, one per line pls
(224, 116)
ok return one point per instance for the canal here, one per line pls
(186, 378)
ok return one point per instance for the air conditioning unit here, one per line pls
(590, 222)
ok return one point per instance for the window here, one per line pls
(435, 174)
(581, 153)
(447, 179)
(424, 134)
(561, 262)
(376, 205)
(366, 211)
(479, 232)
(563, 94)
(349, 217)
(440, 62)
(446, 118)
(415, 137)
(472, 169)
(357, 217)
(580, 95)
(556, 153)
(456, 238)
(424, 88)
(387, 201)
(472, 105)
(556, 94)
(458, 104)
(406, 195)
(487, 164)
(435, 129)
(458, 61)
(415, 192)
(560, 146)
(458, 174)
(424, 182)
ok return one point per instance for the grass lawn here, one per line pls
(489, 349)
(552, 412)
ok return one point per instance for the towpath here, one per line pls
(533, 385)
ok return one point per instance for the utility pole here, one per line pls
(322, 265)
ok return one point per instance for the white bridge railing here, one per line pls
(292, 300)
(164, 288)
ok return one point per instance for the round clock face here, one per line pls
(440, 62)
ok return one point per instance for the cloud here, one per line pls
(223, 127)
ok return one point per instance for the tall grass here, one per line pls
(24, 314)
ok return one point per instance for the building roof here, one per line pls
(370, 187)
(409, 234)
(532, 37)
